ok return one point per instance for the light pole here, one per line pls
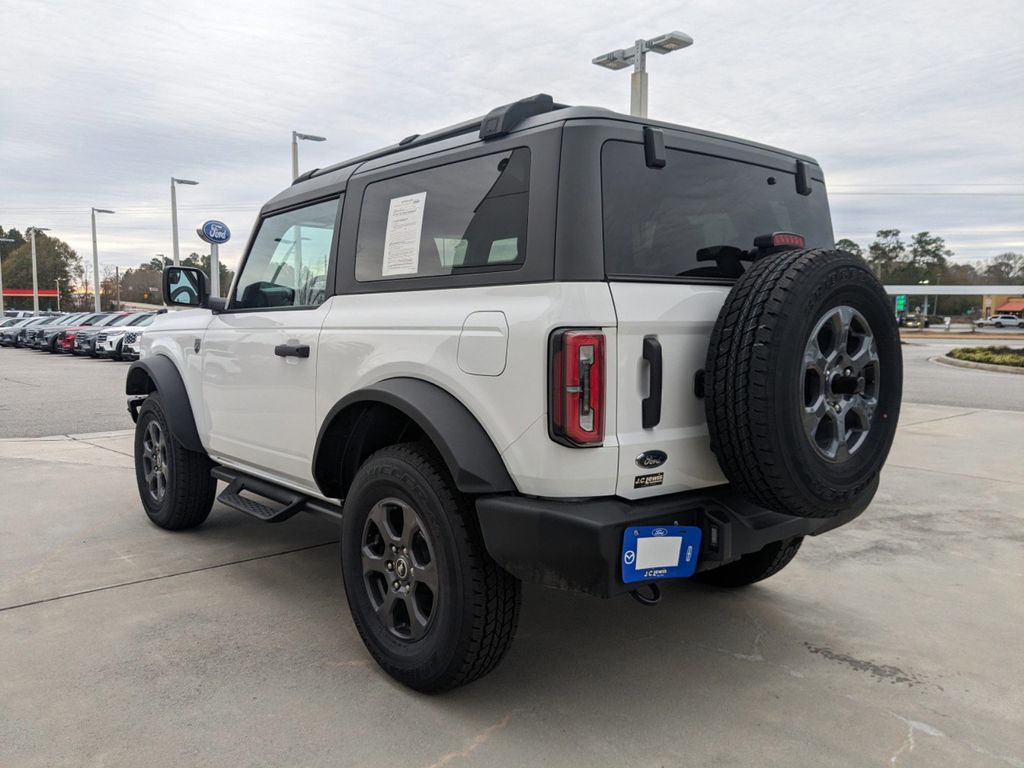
(637, 56)
(174, 212)
(2, 241)
(31, 232)
(96, 256)
(296, 137)
(58, 294)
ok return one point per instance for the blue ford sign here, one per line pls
(214, 231)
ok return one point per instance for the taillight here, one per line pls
(780, 240)
(577, 387)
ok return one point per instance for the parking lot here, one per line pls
(892, 641)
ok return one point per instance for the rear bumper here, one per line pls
(576, 545)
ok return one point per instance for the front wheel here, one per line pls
(175, 484)
(432, 607)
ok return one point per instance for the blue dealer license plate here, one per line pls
(659, 552)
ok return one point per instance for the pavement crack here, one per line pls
(909, 743)
(164, 576)
(939, 418)
(473, 744)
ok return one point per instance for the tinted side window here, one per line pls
(693, 217)
(287, 265)
(468, 216)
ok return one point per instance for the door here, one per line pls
(259, 356)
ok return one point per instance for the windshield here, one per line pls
(697, 217)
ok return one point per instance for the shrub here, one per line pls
(994, 355)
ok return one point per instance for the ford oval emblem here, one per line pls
(659, 532)
(214, 231)
(651, 459)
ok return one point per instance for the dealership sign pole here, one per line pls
(214, 232)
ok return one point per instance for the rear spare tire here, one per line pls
(803, 383)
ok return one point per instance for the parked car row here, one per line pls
(113, 335)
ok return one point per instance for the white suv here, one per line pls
(553, 344)
(1001, 321)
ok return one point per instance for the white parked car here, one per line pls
(131, 344)
(682, 378)
(110, 340)
(1002, 321)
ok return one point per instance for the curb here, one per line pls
(940, 335)
(952, 361)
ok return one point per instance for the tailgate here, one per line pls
(680, 319)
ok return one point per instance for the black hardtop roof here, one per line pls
(530, 113)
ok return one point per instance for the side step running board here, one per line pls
(292, 502)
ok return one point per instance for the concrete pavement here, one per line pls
(893, 641)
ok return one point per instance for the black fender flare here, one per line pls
(464, 445)
(159, 374)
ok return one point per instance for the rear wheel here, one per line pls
(434, 610)
(175, 484)
(803, 383)
(754, 567)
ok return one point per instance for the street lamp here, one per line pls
(637, 56)
(96, 257)
(31, 232)
(2, 241)
(58, 294)
(296, 137)
(174, 212)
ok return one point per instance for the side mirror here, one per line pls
(185, 287)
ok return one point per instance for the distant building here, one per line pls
(1001, 304)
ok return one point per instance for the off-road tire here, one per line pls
(477, 602)
(189, 488)
(754, 567)
(754, 383)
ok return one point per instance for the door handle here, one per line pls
(651, 405)
(289, 350)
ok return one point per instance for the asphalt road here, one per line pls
(43, 394)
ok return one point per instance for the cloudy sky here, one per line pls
(915, 109)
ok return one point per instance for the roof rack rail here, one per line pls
(500, 121)
(497, 122)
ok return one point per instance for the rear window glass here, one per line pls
(469, 216)
(694, 217)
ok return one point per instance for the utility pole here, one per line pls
(174, 213)
(31, 231)
(117, 282)
(2, 241)
(95, 254)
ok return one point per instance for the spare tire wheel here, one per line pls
(804, 377)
